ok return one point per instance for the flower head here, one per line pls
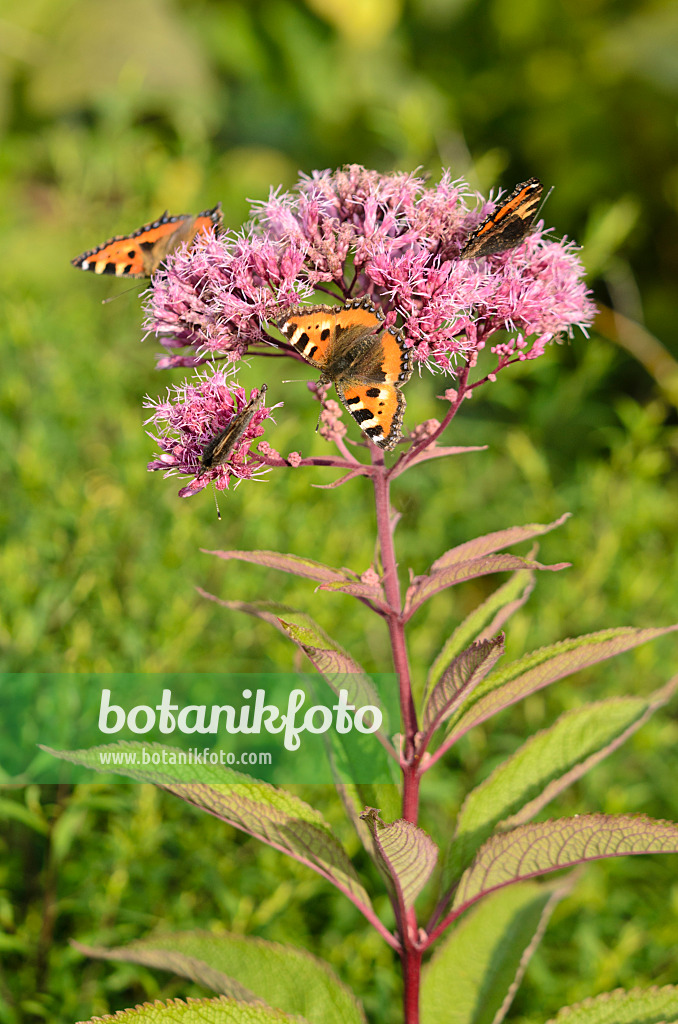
(390, 237)
(205, 428)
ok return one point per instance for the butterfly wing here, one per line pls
(324, 334)
(510, 223)
(377, 409)
(367, 364)
(141, 253)
(218, 450)
(371, 389)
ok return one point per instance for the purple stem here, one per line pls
(411, 952)
(380, 480)
(272, 458)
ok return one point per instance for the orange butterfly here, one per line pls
(141, 253)
(510, 223)
(367, 364)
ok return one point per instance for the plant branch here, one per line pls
(406, 460)
(393, 600)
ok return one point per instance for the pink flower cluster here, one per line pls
(191, 416)
(391, 237)
(345, 235)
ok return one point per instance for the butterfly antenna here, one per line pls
(543, 202)
(214, 492)
(119, 295)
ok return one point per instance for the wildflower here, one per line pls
(392, 238)
(196, 413)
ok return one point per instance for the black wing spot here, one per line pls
(373, 392)
(325, 334)
(360, 415)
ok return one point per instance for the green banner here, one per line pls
(278, 728)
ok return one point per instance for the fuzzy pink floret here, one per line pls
(190, 416)
(394, 238)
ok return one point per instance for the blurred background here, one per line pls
(112, 113)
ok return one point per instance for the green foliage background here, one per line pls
(111, 113)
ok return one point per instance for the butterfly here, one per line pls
(367, 363)
(510, 223)
(141, 253)
(218, 450)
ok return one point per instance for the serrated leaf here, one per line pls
(355, 588)
(406, 855)
(637, 1006)
(270, 814)
(542, 767)
(484, 621)
(200, 1011)
(480, 546)
(459, 679)
(424, 587)
(357, 796)
(483, 960)
(247, 969)
(267, 611)
(540, 668)
(295, 564)
(541, 847)
(334, 663)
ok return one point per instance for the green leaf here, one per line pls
(480, 546)
(542, 767)
(484, 621)
(459, 679)
(484, 959)
(268, 611)
(424, 587)
(540, 668)
(545, 846)
(13, 810)
(294, 564)
(357, 796)
(263, 811)
(247, 969)
(356, 588)
(637, 1006)
(405, 854)
(201, 1011)
(331, 660)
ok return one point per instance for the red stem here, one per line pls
(411, 953)
(411, 959)
(393, 600)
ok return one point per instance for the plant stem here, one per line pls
(393, 600)
(411, 959)
(411, 954)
